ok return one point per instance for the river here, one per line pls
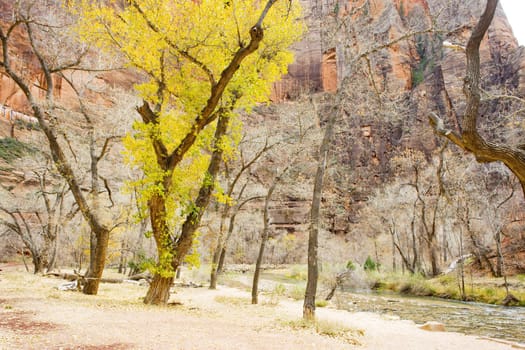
(470, 318)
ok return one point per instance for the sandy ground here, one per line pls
(35, 315)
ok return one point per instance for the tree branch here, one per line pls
(150, 117)
(206, 115)
(470, 139)
(183, 53)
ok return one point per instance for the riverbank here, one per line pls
(479, 289)
(34, 314)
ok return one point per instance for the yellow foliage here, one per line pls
(193, 259)
(182, 47)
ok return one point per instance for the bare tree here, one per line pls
(229, 212)
(265, 233)
(469, 137)
(52, 55)
(38, 228)
(313, 273)
(428, 200)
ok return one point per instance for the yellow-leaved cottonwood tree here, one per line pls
(202, 60)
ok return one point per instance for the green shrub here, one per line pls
(321, 303)
(350, 265)
(140, 263)
(490, 292)
(370, 264)
(21, 124)
(11, 149)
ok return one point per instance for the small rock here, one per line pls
(68, 286)
(392, 317)
(433, 326)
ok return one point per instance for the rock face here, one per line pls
(341, 31)
(365, 52)
(304, 76)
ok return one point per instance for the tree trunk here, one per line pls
(53, 256)
(122, 261)
(394, 267)
(218, 249)
(257, 272)
(179, 249)
(461, 271)
(38, 263)
(313, 273)
(222, 258)
(499, 256)
(431, 231)
(434, 260)
(415, 265)
(445, 247)
(159, 290)
(215, 265)
(99, 246)
(264, 238)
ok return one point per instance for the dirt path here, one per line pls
(34, 315)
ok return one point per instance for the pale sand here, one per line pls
(218, 319)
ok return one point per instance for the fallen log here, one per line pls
(64, 275)
(141, 276)
(75, 277)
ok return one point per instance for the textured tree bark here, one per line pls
(38, 263)
(97, 261)
(193, 219)
(313, 273)
(499, 254)
(159, 290)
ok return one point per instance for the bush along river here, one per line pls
(501, 322)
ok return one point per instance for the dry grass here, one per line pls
(329, 329)
(110, 295)
(484, 290)
(236, 301)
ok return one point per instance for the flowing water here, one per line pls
(470, 318)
